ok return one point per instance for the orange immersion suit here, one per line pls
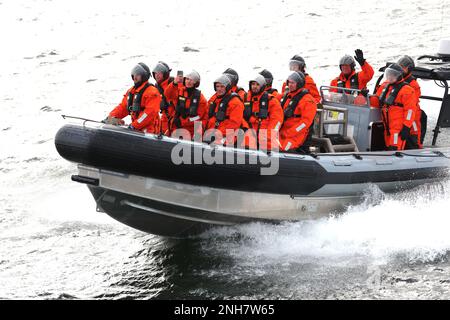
(167, 110)
(299, 111)
(189, 106)
(399, 108)
(264, 116)
(356, 80)
(142, 104)
(225, 113)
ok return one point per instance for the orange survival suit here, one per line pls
(167, 110)
(299, 111)
(356, 80)
(419, 124)
(399, 107)
(189, 105)
(225, 113)
(263, 113)
(142, 104)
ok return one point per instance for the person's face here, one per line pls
(189, 83)
(405, 70)
(391, 78)
(220, 89)
(294, 66)
(159, 77)
(292, 85)
(391, 75)
(255, 87)
(346, 69)
(136, 78)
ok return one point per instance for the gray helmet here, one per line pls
(393, 71)
(225, 80)
(162, 67)
(259, 79)
(268, 76)
(298, 61)
(297, 77)
(194, 75)
(141, 69)
(233, 76)
(347, 60)
(406, 62)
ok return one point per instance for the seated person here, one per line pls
(299, 111)
(161, 73)
(263, 114)
(225, 112)
(190, 105)
(297, 63)
(269, 80)
(234, 77)
(141, 102)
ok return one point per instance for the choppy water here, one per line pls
(67, 59)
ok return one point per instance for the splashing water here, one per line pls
(54, 243)
(412, 224)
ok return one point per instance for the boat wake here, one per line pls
(409, 227)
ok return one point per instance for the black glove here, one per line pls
(104, 120)
(404, 134)
(359, 57)
(177, 122)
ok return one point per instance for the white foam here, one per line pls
(413, 225)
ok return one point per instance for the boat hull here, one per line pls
(134, 179)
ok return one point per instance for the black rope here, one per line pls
(437, 154)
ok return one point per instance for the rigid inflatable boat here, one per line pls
(133, 176)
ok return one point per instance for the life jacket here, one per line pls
(354, 83)
(271, 90)
(245, 92)
(387, 102)
(263, 108)
(164, 104)
(221, 113)
(180, 109)
(409, 79)
(289, 111)
(134, 100)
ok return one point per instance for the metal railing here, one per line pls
(344, 95)
(323, 120)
